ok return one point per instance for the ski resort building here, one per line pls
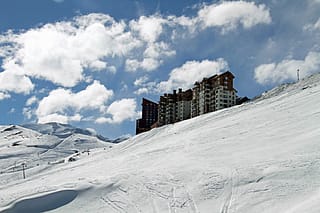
(149, 116)
(175, 107)
(211, 94)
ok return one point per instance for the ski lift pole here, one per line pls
(298, 76)
(23, 170)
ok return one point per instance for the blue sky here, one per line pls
(89, 62)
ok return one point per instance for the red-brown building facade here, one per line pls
(149, 116)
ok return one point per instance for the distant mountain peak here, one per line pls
(63, 130)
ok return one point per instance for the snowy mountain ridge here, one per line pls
(42, 145)
(263, 156)
(62, 130)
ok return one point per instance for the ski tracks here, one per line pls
(181, 197)
(160, 193)
(168, 190)
(231, 190)
(120, 201)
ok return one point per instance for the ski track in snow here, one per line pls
(231, 192)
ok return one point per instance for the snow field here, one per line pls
(263, 156)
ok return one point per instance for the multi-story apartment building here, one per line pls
(211, 94)
(175, 107)
(167, 108)
(149, 116)
(195, 100)
(184, 105)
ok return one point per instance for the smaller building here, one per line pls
(149, 116)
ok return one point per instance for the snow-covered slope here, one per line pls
(40, 146)
(263, 156)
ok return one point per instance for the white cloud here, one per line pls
(229, 14)
(121, 110)
(153, 57)
(141, 91)
(32, 100)
(13, 80)
(4, 96)
(61, 52)
(149, 28)
(183, 21)
(102, 120)
(287, 69)
(27, 112)
(60, 102)
(98, 65)
(147, 64)
(185, 76)
(158, 50)
(145, 86)
(140, 81)
(317, 25)
(313, 26)
(55, 117)
(64, 49)
(225, 15)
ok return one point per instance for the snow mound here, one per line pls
(43, 203)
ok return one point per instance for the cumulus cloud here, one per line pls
(185, 76)
(287, 69)
(230, 14)
(65, 52)
(224, 15)
(153, 56)
(144, 86)
(148, 28)
(55, 117)
(61, 102)
(121, 110)
(140, 81)
(13, 80)
(147, 64)
(61, 51)
(153, 52)
(147, 88)
(32, 100)
(143, 90)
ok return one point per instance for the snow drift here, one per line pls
(263, 156)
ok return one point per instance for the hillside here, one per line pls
(40, 146)
(263, 156)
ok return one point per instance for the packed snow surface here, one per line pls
(263, 156)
